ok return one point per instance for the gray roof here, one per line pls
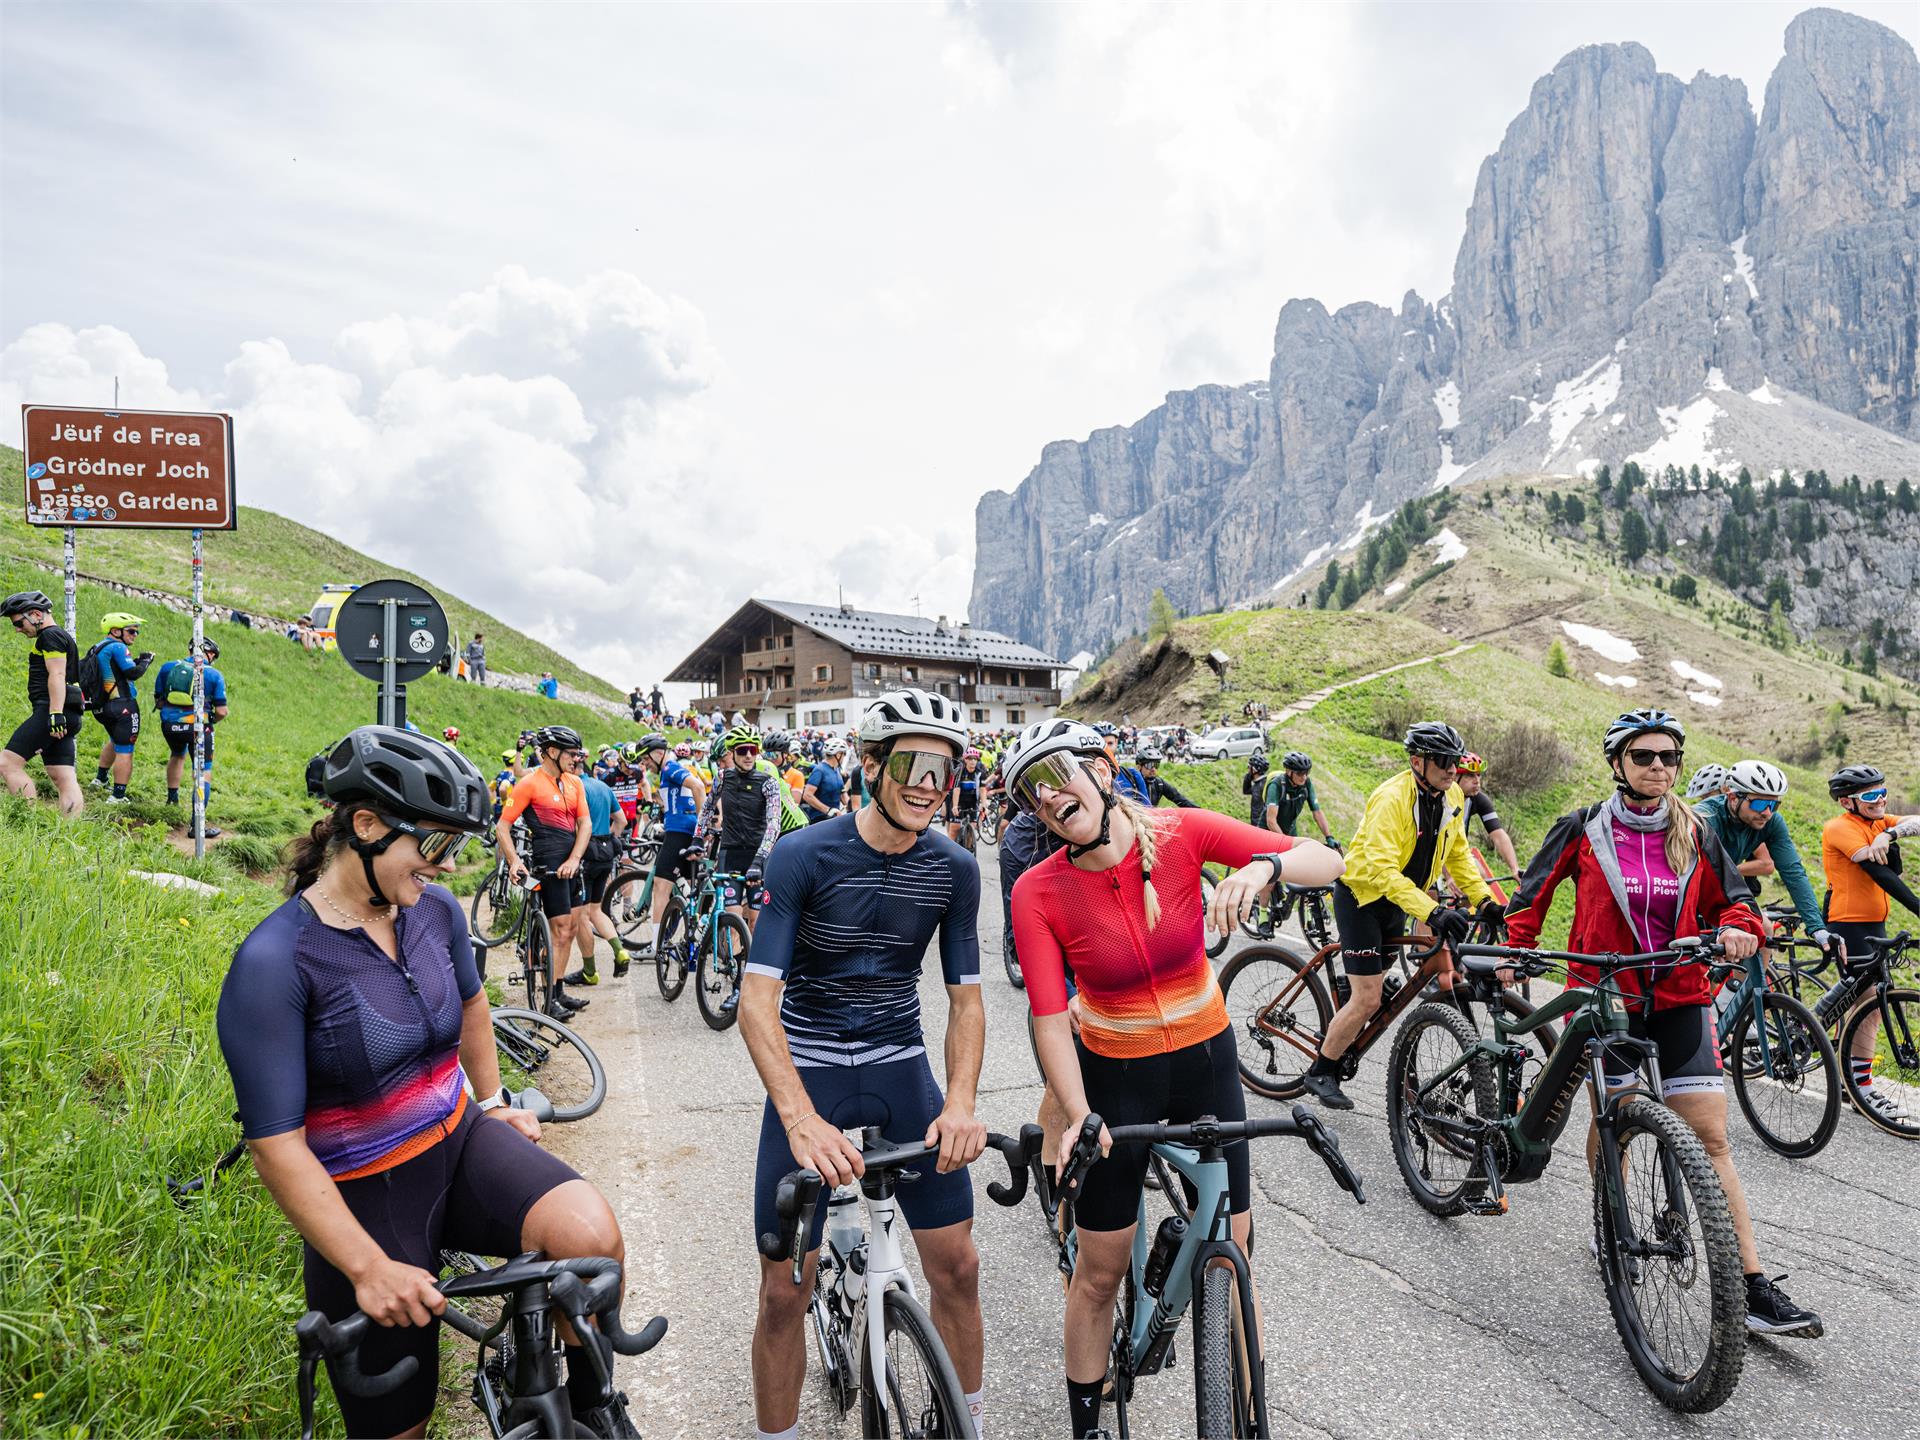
(874, 632)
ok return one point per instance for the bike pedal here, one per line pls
(1491, 1206)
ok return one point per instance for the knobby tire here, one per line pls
(1419, 1147)
(1269, 1064)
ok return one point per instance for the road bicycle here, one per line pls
(1311, 903)
(992, 819)
(875, 1341)
(1281, 1002)
(537, 1050)
(1784, 1071)
(1466, 1122)
(1216, 941)
(518, 1383)
(701, 937)
(1187, 1264)
(493, 913)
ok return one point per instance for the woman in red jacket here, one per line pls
(1645, 873)
(1119, 903)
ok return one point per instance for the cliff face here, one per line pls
(1645, 272)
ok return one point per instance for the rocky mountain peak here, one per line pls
(1645, 272)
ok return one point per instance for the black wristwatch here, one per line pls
(1274, 861)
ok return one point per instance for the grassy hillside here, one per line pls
(287, 702)
(270, 565)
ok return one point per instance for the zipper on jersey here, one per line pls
(1140, 954)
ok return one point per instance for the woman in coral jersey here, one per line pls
(1119, 905)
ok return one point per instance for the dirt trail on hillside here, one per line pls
(1307, 702)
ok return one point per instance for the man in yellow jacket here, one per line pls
(1413, 827)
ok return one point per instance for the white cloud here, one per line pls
(546, 451)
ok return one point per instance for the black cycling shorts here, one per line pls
(1689, 1050)
(1365, 930)
(670, 859)
(1183, 1085)
(593, 882)
(34, 736)
(179, 737)
(560, 897)
(121, 720)
(472, 1191)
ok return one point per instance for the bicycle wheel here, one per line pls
(541, 1052)
(670, 949)
(494, 912)
(1222, 1366)
(1216, 944)
(969, 836)
(1014, 977)
(1891, 1098)
(1280, 1009)
(628, 902)
(923, 1394)
(1441, 1167)
(1680, 1308)
(1789, 1086)
(536, 962)
(722, 963)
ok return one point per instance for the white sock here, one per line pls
(975, 1403)
(792, 1432)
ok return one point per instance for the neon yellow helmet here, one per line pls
(118, 620)
(739, 735)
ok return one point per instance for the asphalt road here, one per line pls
(1380, 1320)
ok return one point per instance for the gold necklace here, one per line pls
(344, 915)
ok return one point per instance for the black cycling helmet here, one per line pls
(1294, 760)
(1257, 762)
(777, 741)
(408, 776)
(1641, 722)
(565, 736)
(1852, 779)
(22, 601)
(1436, 740)
(653, 740)
(210, 649)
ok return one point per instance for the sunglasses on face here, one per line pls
(1448, 764)
(921, 770)
(1051, 772)
(752, 752)
(1646, 759)
(1872, 797)
(1762, 807)
(436, 846)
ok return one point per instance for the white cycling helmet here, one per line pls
(1707, 780)
(1757, 777)
(1049, 737)
(913, 711)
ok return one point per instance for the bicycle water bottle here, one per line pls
(1389, 988)
(1165, 1241)
(843, 1226)
(1832, 1005)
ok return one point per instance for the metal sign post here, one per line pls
(73, 581)
(393, 695)
(200, 717)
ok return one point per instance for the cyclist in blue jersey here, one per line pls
(173, 693)
(119, 712)
(826, 787)
(830, 1009)
(963, 800)
(682, 793)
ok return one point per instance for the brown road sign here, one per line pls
(128, 469)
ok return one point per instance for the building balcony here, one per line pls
(1008, 695)
(781, 697)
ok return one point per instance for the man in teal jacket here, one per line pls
(1746, 817)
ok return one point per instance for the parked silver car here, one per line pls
(1230, 743)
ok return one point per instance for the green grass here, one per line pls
(270, 565)
(287, 703)
(119, 1312)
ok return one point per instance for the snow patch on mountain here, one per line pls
(1448, 547)
(1698, 677)
(1447, 401)
(1604, 643)
(1743, 265)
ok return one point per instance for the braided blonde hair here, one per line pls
(1146, 836)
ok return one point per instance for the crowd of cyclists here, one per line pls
(355, 1027)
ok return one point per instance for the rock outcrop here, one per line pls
(1645, 272)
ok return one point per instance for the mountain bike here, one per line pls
(1280, 1006)
(1878, 1021)
(702, 937)
(875, 1341)
(517, 1381)
(1784, 1071)
(536, 1050)
(1465, 1124)
(1186, 1264)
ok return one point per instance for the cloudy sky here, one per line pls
(606, 317)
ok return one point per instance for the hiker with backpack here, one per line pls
(109, 679)
(173, 693)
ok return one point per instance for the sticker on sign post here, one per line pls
(421, 642)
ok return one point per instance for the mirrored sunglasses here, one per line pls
(1054, 772)
(1872, 797)
(921, 770)
(1762, 806)
(436, 846)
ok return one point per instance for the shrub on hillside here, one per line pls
(1524, 758)
(1557, 663)
(1395, 714)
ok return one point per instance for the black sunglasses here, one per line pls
(1644, 758)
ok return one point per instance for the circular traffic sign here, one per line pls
(420, 629)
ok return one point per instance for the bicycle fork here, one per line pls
(1672, 1221)
(1227, 1250)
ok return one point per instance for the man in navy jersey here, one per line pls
(830, 1009)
